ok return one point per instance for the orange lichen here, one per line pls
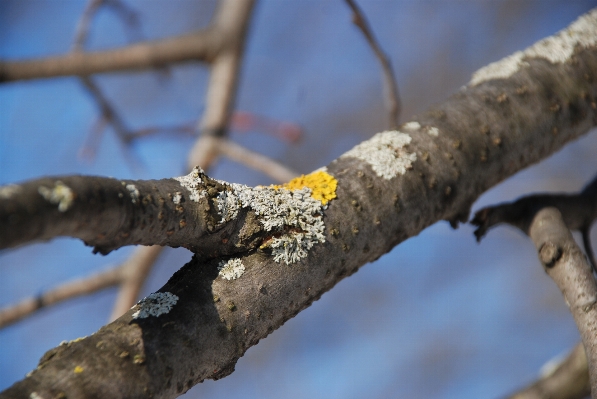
(323, 185)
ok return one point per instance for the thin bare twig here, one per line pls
(232, 18)
(390, 85)
(201, 45)
(256, 161)
(84, 23)
(69, 290)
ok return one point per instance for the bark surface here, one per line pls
(465, 145)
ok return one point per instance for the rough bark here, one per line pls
(565, 263)
(465, 145)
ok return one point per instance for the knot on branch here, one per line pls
(549, 254)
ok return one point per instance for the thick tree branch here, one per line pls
(246, 280)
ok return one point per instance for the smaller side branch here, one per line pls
(107, 213)
(566, 265)
(202, 45)
(547, 220)
(390, 85)
(579, 211)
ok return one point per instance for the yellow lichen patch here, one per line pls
(322, 185)
(78, 369)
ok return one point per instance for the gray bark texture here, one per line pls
(565, 263)
(485, 133)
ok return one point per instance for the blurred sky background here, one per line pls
(438, 317)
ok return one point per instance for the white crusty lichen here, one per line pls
(155, 304)
(386, 153)
(192, 182)
(60, 194)
(133, 192)
(557, 49)
(231, 269)
(293, 216)
(433, 131)
(228, 205)
(412, 125)
(9, 190)
(177, 197)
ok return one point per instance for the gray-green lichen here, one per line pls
(177, 198)
(133, 192)
(192, 182)
(155, 304)
(60, 194)
(231, 269)
(557, 49)
(432, 131)
(386, 152)
(292, 215)
(9, 190)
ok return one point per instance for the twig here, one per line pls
(547, 220)
(390, 85)
(84, 23)
(134, 272)
(233, 19)
(569, 379)
(69, 290)
(256, 161)
(109, 113)
(578, 210)
(201, 45)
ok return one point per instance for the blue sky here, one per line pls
(439, 316)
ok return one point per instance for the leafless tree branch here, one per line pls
(390, 85)
(201, 46)
(69, 290)
(255, 161)
(547, 219)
